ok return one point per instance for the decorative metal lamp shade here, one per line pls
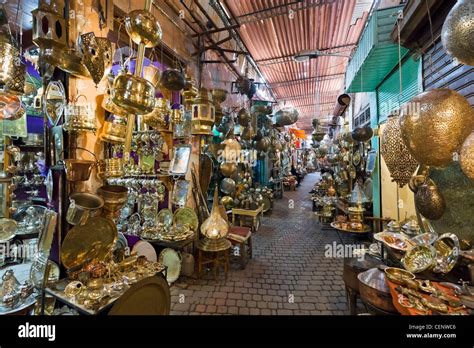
(435, 124)
(49, 27)
(8, 54)
(215, 230)
(16, 83)
(467, 157)
(457, 35)
(204, 113)
(400, 162)
(286, 117)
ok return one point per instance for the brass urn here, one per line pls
(435, 124)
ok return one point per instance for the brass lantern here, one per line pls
(8, 54)
(215, 230)
(204, 113)
(457, 35)
(49, 26)
(435, 124)
(467, 157)
(400, 163)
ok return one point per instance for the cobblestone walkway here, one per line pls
(288, 275)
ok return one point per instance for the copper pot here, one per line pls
(133, 94)
(374, 290)
(78, 169)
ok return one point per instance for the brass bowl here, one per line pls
(398, 276)
(115, 197)
(419, 259)
(142, 27)
(133, 94)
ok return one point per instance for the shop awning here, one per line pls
(299, 133)
(376, 54)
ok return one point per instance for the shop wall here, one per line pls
(441, 71)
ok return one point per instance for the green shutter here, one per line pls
(388, 93)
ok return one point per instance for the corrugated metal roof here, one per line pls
(274, 34)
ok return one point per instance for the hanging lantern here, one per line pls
(214, 230)
(219, 96)
(8, 54)
(457, 34)
(49, 25)
(173, 80)
(400, 162)
(435, 124)
(203, 113)
(16, 83)
(467, 157)
(286, 117)
(96, 55)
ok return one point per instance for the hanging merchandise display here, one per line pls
(429, 201)
(435, 124)
(286, 116)
(458, 32)
(399, 161)
(467, 157)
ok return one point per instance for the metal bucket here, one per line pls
(82, 207)
(78, 169)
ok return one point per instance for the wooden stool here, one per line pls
(241, 238)
(215, 259)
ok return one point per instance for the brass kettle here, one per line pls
(429, 201)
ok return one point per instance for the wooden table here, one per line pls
(215, 259)
(254, 214)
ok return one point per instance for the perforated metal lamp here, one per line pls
(215, 229)
(304, 56)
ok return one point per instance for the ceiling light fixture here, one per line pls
(304, 56)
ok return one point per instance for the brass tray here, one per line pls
(186, 216)
(92, 241)
(151, 296)
(366, 229)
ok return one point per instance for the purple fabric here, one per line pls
(35, 124)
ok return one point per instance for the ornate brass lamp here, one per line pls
(215, 230)
(467, 157)
(204, 113)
